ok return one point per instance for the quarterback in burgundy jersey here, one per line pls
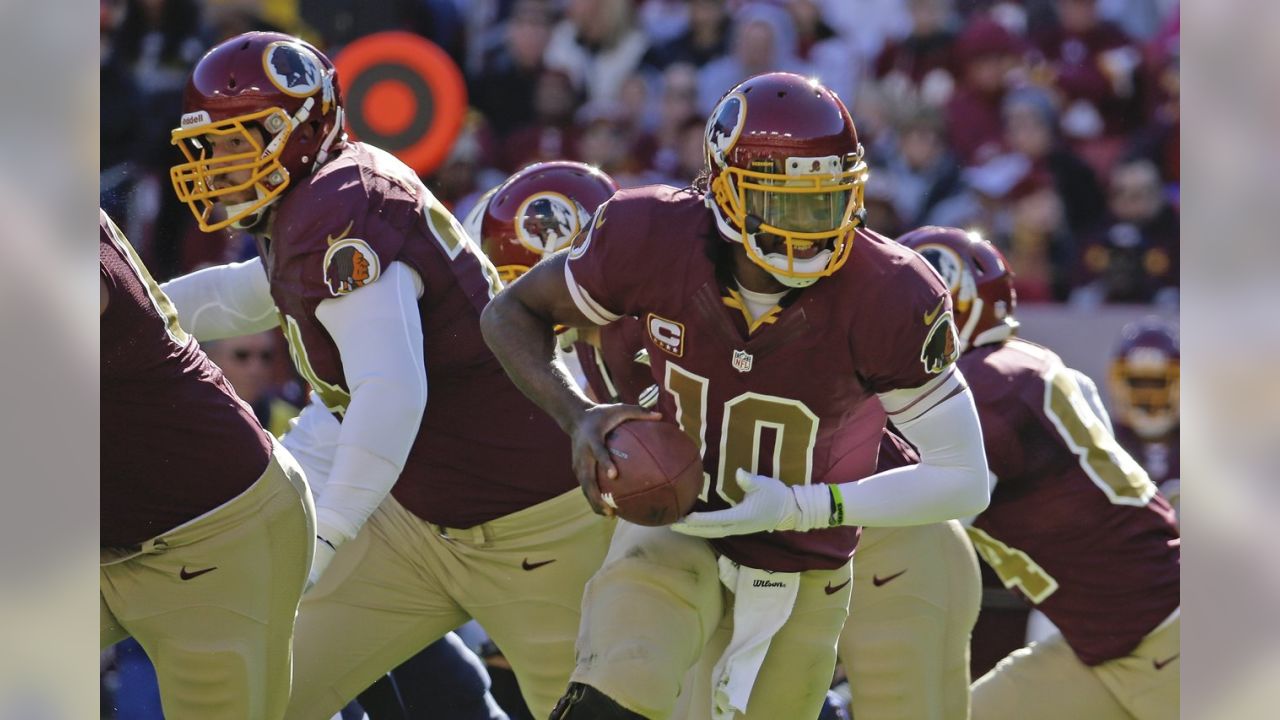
(207, 524)
(1144, 391)
(432, 508)
(1075, 525)
(779, 332)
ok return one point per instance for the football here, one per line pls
(659, 473)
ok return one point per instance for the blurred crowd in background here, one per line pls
(1051, 126)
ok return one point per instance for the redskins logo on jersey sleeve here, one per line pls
(349, 264)
(941, 346)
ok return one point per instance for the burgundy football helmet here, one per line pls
(784, 160)
(276, 83)
(536, 212)
(1144, 378)
(979, 278)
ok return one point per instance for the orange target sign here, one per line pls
(403, 94)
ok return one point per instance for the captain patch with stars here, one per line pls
(349, 264)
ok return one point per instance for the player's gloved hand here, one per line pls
(591, 454)
(767, 505)
(328, 540)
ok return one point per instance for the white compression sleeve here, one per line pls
(224, 301)
(378, 331)
(951, 480)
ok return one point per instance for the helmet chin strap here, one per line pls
(252, 219)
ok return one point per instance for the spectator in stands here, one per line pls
(1135, 259)
(834, 60)
(1031, 129)
(612, 142)
(924, 177)
(764, 40)
(504, 88)
(868, 24)
(678, 104)
(552, 135)
(706, 38)
(986, 56)
(1038, 243)
(468, 171)
(161, 39)
(875, 120)
(1022, 214)
(250, 364)
(919, 66)
(597, 43)
(1159, 139)
(1094, 66)
(663, 20)
(688, 155)
(878, 202)
(119, 134)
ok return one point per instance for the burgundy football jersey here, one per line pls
(791, 394)
(895, 452)
(1075, 525)
(619, 370)
(483, 449)
(1160, 459)
(176, 441)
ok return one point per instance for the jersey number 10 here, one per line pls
(744, 418)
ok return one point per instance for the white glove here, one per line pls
(328, 540)
(767, 505)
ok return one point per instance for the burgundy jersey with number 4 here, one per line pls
(1160, 458)
(176, 441)
(791, 394)
(483, 449)
(1075, 525)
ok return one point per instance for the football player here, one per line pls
(1075, 526)
(1144, 390)
(207, 523)
(429, 512)
(916, 590)
(534, 213)
(781, 334)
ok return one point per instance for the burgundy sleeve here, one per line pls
(909, 338)
(610, 263)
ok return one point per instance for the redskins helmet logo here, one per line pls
(946, 261)
(350, 264)
(548, 221)
(292, 68)
(725, 126)
(951, 268)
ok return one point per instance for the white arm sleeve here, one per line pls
(952, 479)
(378, 331)
(312, 439)
(224, 301)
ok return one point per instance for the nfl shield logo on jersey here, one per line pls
(742, 360)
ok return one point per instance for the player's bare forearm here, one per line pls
(519, 327)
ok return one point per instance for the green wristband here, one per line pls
(837, 505)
